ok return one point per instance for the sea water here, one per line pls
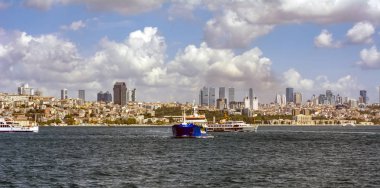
(324, 156)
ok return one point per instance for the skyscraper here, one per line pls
(297, 98)
(203, 96)
(363, 96)
(104, 97)
(289, 94)
(231, 94)
(24, 89)
(64, 94)
(133, 95)
(250, 97)
(222, 92)
(211, 99)
(81, 94)
(120, 93)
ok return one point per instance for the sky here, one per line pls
(169, 49)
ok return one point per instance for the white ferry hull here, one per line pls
(19, 129)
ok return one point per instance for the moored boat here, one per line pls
(7, 125)
(232, 126)
(193, 126)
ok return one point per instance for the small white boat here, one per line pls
(232, 126)
(348, 125)
(10, 126)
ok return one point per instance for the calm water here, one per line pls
(149, 157)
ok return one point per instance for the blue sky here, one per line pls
(170, 49)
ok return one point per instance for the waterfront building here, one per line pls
(222, 92)
(363, 96)
(297, 98)
(289, 94)
(211, 99)
(24, 89)
(64, 94)
(231, 95)
(120, 93)
(81, 94)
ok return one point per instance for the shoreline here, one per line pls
(169, 125)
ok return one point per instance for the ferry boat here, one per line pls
(7, 125)
(232, 126)
(193, 126)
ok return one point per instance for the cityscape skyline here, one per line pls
(169, 50)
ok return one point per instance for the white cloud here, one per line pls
(325, 40)
(370, 58)
(40, 4)
(361, 32)
(204, 66)
(119, 6)
(253, 19)
(294, 79)
(74, 26)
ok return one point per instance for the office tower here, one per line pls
(255, 105)
(339, 99)
(104, 97)
(250, 97)
(329, 95)
(231, 95)
(289, 94)
(64, 94)
(322, 99)
(203, 97)
(283, 100)
(107, 97)
(297, 98)
(363, 96)
(211, 99)
(222, 92)
(24, 89)
(277, 100)
(81, 94)
(120, 93)
(133, 95)
(221, 103)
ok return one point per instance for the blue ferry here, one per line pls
(193, 126)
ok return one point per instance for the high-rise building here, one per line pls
(255, 103)
(64, 94)
(278, 99)
(289, 94)
(81, 94)
(231, 95)
(24, 89)
(211, 99)
(203, 96)
(297, 98)
(133, 95)
(222, 92)
(363, 96)
(104, 97)
(250, 97)
(120, 93)
(221, 103)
